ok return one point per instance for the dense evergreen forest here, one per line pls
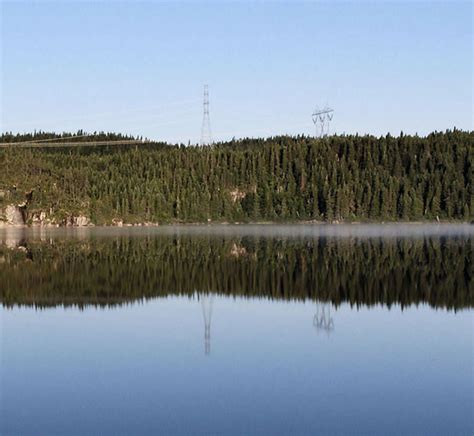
(79, 136)
(338, 178)
(114, 270)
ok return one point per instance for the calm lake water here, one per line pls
(357, 329)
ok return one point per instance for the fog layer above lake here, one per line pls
(389, 230)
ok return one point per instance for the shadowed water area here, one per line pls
(249, 329)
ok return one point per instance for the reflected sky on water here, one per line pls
(145, 368)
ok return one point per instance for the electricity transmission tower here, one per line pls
(206, 135)
(321, 119)
(206, 303)
(322, 318)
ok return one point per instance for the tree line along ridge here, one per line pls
(337, 178)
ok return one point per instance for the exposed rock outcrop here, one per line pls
(40, 219)
(237, 195)
(77, 221)
(117, 222)
(15, 215)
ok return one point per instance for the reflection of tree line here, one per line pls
(108, 271)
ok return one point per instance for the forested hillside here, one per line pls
(339, 178)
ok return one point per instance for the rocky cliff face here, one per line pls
(17, 213)
(14, 215)
(77, 221)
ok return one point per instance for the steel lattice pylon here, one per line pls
(206, 135)
(322, 319)
(321, 119)
(206, 303)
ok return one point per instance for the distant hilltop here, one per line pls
(65, 139)
(106, 178)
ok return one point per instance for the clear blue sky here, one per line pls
(140, 67)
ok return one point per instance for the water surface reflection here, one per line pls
(107, 267)
(291, 330)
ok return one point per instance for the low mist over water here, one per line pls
(403, 230)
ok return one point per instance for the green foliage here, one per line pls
(342, 178)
